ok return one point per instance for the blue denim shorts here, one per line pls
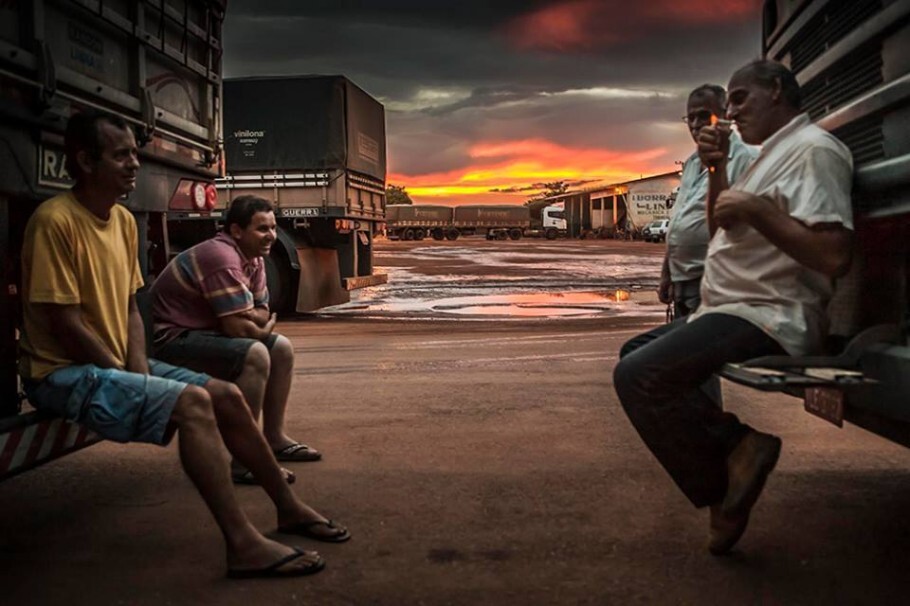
(117, 405)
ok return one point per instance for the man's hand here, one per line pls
(665, 287)
(242, 325)
(665, 291)
(258, 315)
(714, 145)
(735, 208)
(270, 325)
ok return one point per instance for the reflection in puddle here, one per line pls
(544, 304)
(506, 305)
(519, 311)
(459, 283)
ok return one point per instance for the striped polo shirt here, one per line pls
(204, 283)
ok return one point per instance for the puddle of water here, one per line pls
(542, 284)
(520, 311)
(517, 305)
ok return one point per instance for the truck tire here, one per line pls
(438, 234)
(501, 235)
(420, 233)
(282, 282)
(452, 234)
(550, 234)
(515, 233)
(407, 234)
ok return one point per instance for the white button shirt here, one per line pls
(808, 173)
(687, 236)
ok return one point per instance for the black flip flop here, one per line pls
(275, 570)
(297, 453)
(305, 529)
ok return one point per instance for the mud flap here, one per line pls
(320, 279)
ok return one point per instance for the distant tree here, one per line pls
(553, 188)
(396, 194)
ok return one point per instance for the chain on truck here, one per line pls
(852, 60)
(154, 65)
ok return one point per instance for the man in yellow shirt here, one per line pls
(84, 354)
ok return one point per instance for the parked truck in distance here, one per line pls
(496, 222)
(158, 68)
(314, 146)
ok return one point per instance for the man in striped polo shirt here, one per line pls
(211, 311)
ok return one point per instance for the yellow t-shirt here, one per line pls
(71, 257)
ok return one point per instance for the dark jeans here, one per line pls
(664, 383)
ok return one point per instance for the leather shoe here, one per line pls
(748, 467)
(726, 530)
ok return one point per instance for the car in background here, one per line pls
(656, 231)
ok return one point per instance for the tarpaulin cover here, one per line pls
(302, 123)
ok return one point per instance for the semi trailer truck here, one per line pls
(852, 60)
(160, 70)
(496, 222)
(315, 147)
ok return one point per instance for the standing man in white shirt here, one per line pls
(687, 237)
(780, 235)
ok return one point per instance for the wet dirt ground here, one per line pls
(474, 278)
(478, 461)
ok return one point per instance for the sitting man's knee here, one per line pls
(228, 400)
(631, 345)
(282, 351)
(257, 359)
(193, 405)
(622, 377)
(633, 380)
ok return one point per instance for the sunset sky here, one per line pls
(486, 99)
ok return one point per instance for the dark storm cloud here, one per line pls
(454, 73)
(396, 44)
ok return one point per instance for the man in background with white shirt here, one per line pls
(779, 236)
(687, 236)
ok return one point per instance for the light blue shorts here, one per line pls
(117, 405)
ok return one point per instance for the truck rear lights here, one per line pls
(199, 196)
(211, 196)
(194, 196)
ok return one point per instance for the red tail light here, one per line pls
(211, 196)
(194, 196)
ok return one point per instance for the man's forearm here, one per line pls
(826, 249)
(717, 182)
(241, 325)
(259, 315)
(81, 344)
(136, 358)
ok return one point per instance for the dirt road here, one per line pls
(476, 462)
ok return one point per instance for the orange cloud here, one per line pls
(559, 27)
(573, 25)
(514, 167)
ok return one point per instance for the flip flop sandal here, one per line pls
(306, 529)
(297, 452)
(247, 478)
(277, 570)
